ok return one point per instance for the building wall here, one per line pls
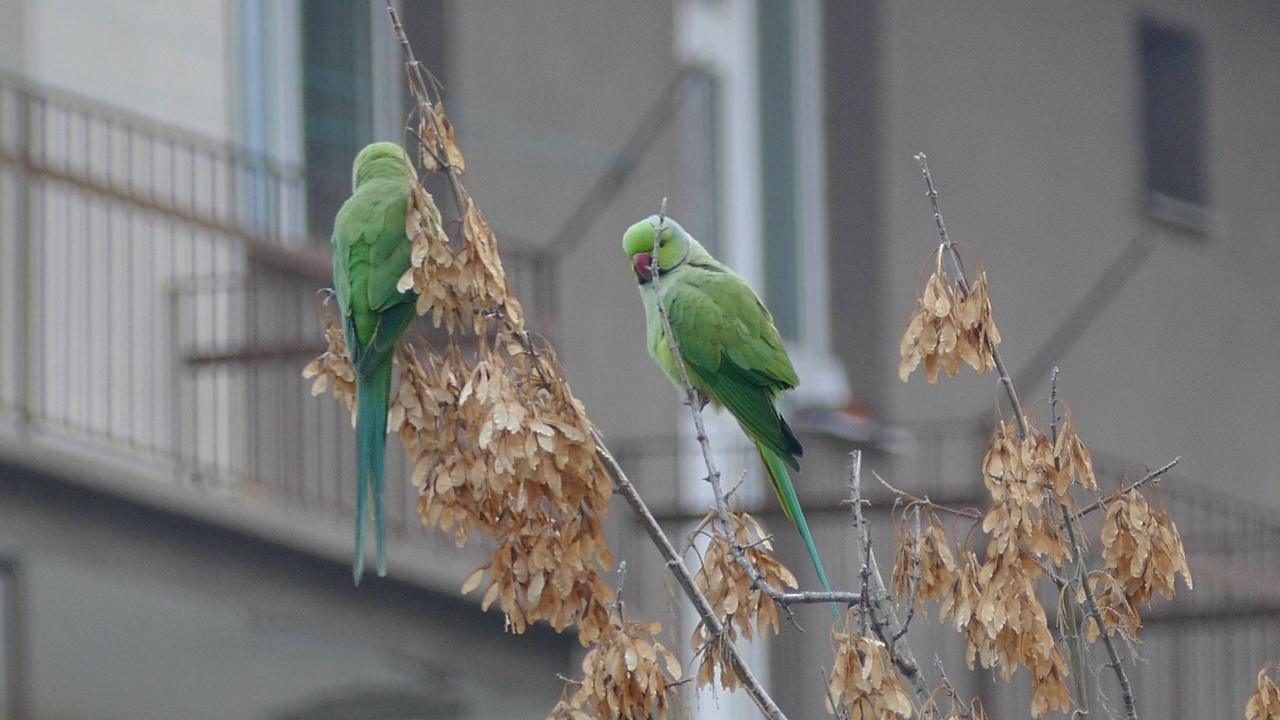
(153, 607)
(540, 121)
(130, 612)
(11, 35)
(166, 60)
(1030, 115)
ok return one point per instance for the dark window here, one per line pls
(702, 126)
(337, 102)
(1174, 125)
(778, 153)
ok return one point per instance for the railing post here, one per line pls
(15, 650)
(24, 268)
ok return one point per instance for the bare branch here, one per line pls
(1149, 477)
(1069, 519)
(884, 617)
(685, 580)
(957, 273)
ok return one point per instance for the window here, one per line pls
(769, 158)
(319, 80)
(337, 102)
(1174, 132)
(765, 113)
(775, 43)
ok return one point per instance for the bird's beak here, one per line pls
(642, 263)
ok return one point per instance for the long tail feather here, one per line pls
(373, 392)
(781, 481)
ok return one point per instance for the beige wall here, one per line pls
(166, 60)
(11, 35)
(1030, 116)
(541, 111)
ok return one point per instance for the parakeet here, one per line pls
(731, 349)
(370, 253)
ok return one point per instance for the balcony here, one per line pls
(161, 295)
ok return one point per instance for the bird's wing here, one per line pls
(371, 253)
(728, 340)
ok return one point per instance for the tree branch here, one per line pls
(685, 580)
(884, 616)
(1068, 519)
(957, 274)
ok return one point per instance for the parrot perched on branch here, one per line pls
(370, 253)
(732, 352)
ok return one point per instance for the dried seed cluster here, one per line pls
(924, 564)
(993, 598)
(463, 289)
(931, 709)
(501, 446)
(733, 595)
(1143, 555)
(949, 329)
(994, 602)
(498, 442)
(1264, 702)
(627, 674)
(863, 684)
(333, 369)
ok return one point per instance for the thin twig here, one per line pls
(685, 580)
(957, 274)
(692, 399)
(1091, 603)
(617, 589)
(884, 617)
(1149, 477)
(421, 92)
(1069, 627)
(1069, 520)
(968, 514)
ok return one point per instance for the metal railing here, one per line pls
(161, 300)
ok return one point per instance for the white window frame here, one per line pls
(721, 36)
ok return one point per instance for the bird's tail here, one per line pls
(373, 392)
(781, 481)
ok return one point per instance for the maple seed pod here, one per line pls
(947, 331)
(733, 595)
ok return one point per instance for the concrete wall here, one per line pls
(167, 60)
(541, 110)
(132, 612)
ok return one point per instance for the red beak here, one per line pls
(643, 264)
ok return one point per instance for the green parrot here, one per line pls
(732, 351)
(370, 253)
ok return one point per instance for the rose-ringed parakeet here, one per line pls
(732, 352)
(370, 253)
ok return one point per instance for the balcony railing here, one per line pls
(160, 296)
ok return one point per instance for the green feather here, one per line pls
(373, 392)
(781, 482)
(370, 252)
